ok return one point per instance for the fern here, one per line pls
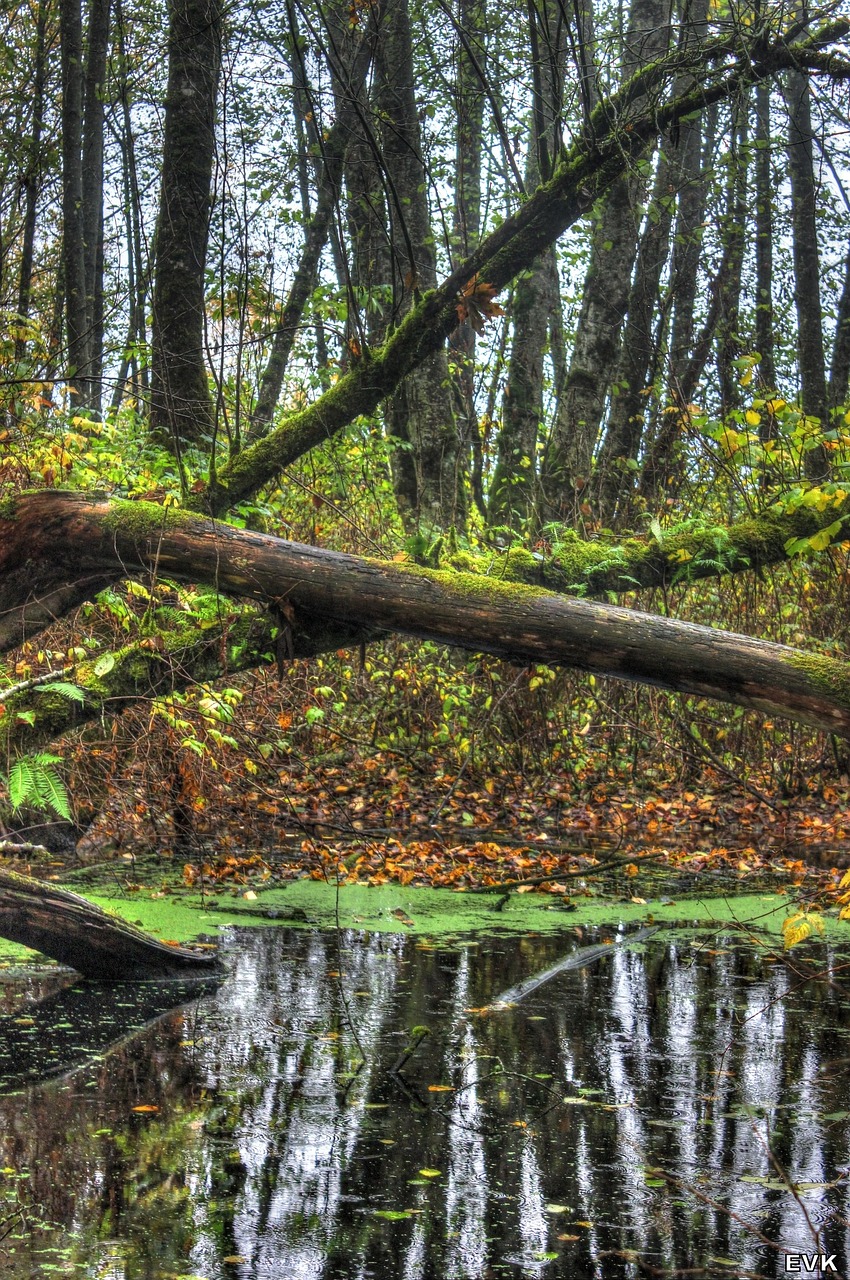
(33, 780)
(65, 689)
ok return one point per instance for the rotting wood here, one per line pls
(72, 930)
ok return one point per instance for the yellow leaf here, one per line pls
(250, 766)
(753, 418)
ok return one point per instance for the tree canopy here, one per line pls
(552, 304)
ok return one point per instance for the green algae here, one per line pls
(425, 912)
(435, 912)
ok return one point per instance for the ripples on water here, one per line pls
(639, 1116)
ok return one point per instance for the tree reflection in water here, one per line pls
(631, 1118)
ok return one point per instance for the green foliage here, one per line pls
(72, 692)
(33, 781)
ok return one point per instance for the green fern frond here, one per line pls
(34, 781)
(65, 689)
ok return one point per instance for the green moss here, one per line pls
(829, 675)
(140, 520)
(519, 565)
(473, 584)
(9, 508)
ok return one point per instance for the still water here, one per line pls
(684, 1105)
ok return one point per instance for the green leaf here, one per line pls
(104, 665)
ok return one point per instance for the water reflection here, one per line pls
(684, 1106)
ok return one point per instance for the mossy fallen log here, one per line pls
(55, 536)
(575, 566)
(70, 929)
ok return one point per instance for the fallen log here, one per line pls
(51, 538)
(75, 932)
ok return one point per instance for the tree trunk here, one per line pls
(420, 415)
(807, 282)
(333, 149)
(32, 177)
(50, 537)
(466, 230)
(764, 340)
(140, 385)
(537, 294)
(181, 405)
(73, 225)
(728, 283)
(69, 929)
(566, 471)
(839, 373)
(618, 458)
(92, 189)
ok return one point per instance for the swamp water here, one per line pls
(681, 1104)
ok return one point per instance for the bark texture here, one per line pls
(73, 235)
(810, 348)
(181, 405)
(581, 404)
(421, 412)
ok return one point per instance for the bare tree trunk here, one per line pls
(839, 373)
(32, 177)
(333, 149)
(617, 466)
(137, 265)
(466, 230)
(728, 283)
(92, 188)
(181, 405)
(566, 471)
(807, 281)
(73, 224)
(764, 339)
(537, 295)
(427, 468)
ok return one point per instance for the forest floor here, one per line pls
(372, 822)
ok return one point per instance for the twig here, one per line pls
(9, 849)
(30, 684)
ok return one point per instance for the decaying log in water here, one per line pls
(73, 931)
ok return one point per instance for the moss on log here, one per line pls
(73, 931)
(598, 568)
(68, 532)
